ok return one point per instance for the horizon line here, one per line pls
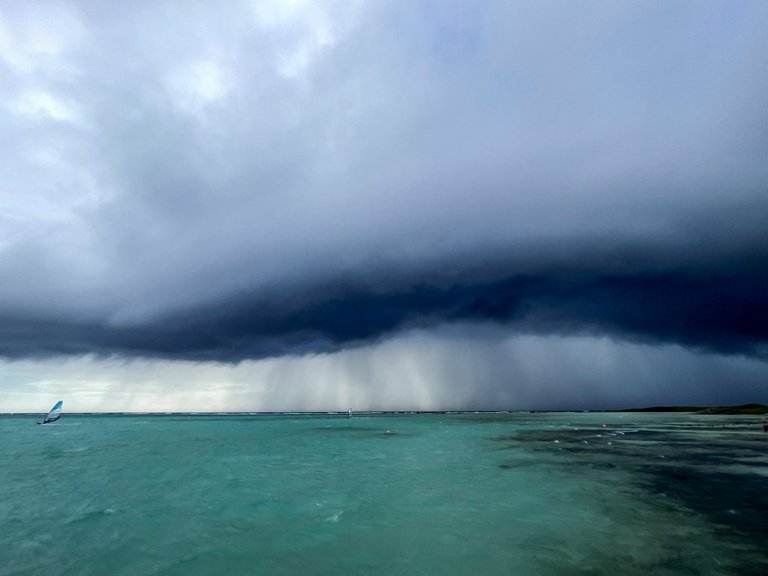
(392, 411)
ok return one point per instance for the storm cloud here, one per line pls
(276, 179)
(725, 313)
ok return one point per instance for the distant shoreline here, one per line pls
(742, 409)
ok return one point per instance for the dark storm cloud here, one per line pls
(716, 311)
(721, 311)
(270, 180)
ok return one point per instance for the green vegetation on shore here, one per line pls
(755, 409)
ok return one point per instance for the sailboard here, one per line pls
(54, 414)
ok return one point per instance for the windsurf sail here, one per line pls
(54, 414)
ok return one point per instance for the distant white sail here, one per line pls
(54, 414)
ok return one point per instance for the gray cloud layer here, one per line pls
(191, 182)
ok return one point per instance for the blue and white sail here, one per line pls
(54, 414)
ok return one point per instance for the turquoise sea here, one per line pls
(442, 494)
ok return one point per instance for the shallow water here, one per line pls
(564, 493)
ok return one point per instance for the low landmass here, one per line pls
(751, 409)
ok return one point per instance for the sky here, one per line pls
(296, 205)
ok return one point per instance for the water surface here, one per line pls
(542, 494)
